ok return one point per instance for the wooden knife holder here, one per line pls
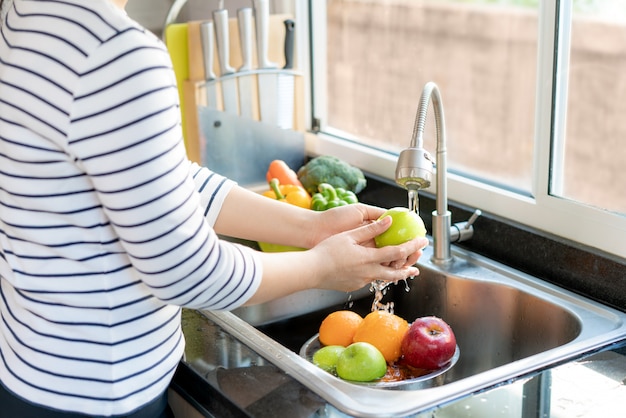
(191, 74)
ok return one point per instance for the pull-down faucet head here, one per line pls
(414, 169)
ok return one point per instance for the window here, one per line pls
(532, 94)
(483, 61)
(592, 155)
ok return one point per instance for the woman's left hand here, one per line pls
(344, 218)
(349, 217)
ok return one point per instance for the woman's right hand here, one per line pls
(346, 261)
(350, 264)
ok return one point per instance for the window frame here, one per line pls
(543, 211)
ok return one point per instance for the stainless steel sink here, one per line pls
(496, 322)
(295, 305)
(508, 325)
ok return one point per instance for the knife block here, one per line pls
(191, 76)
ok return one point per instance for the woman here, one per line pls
(4, 7)
(107, 229)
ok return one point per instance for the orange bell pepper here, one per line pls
(289, 193)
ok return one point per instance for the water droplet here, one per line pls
(379, 288)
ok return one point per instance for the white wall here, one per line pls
(152, 13)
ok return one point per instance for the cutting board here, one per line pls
(177, 38)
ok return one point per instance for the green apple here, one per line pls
(361, 362)
(326, 357)
(406, 225)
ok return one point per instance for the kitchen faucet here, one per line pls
(414, 172)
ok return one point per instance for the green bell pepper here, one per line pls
(329, 197)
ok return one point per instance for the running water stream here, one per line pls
(414, 202)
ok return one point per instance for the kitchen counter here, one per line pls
(222, 377)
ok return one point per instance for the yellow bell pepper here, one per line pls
(289, 193)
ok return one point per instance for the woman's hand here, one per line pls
(344, 218)
(346, 261)
(352, 260)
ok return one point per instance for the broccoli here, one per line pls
(331, 170)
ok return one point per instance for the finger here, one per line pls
(413, 252)
(368, 232)
(389, 274)
(370, 213)
(421, 244)
(409, 261)
(412, 259)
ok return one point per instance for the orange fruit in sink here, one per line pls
(338, 328)
(384, 331)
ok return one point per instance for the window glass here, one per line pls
(481, 54)
(593, 155)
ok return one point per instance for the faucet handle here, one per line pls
(473, 218)
(462, 231)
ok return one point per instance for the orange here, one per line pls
(338, 328)
(384, 331)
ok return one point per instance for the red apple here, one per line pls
(429, 343)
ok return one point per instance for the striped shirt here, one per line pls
(105, 225)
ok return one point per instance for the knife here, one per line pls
(267, 79)
(206, 30)
(286, 81)
(244, 21)
(227, 73)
